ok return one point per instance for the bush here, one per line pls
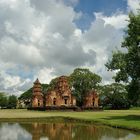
(73, 108)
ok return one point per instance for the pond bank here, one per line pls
(63, 130)
(126, 119)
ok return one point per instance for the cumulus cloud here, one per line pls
(118, 20)
(103, 38)
(45, 75)
(10, 50)
(41, 39)
(133, 5)
(36, 37)
(8, 81)
(13, 84)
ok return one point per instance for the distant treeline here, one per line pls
(8, 101)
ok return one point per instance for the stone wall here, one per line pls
(37, 97)
(61, 95)
(91, 99)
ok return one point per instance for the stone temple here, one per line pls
(91, 99)
(37, 97)
(60, 95)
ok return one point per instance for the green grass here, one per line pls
(135, 108)
(128, 119)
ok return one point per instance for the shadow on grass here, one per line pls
(127, 118)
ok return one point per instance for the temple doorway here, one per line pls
(66, 101)
(38, 103)
(93, 101)
(54, 101)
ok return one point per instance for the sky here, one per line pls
(50, 38)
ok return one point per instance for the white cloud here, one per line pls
(9, 81)
(13, 84)
(103, 38)
(45, 75)
(10, 50)
(40, 39)
(133, 5)
(118, 20)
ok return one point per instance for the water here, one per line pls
(61, 131)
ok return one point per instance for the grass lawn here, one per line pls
(129, 119)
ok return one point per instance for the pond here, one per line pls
(62, 131)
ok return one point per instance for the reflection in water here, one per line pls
(13, 132)
(61, 131)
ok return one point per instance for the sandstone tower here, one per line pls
(91, 99)
(37, 99)
(61, 95)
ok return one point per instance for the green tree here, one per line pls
(81, 81)
(44, 87)
(12, 101)
(3, 100)
(128, 64)
(114, 96)
(52, 84)
(28, 94)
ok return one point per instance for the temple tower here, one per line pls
(62, 85)
(61, 95)
(91, 99)
(37, 97)
(64, 91)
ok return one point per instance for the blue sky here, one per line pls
(107, 7)
(51, 38)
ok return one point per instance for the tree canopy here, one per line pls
(12, 101)
(83, 80)
(3, 100)
(114, 96)
(128, 63)
(28, 94)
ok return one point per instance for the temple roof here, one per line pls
(37, 93)
(91, 93)
(37, 81)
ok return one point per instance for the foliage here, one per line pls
(128, 64)
(68, 108)
(114, 96)
(12, 101)
(28, 94)
(83, 80)
(44, 87)
(135, 108)
(3, 100)
(53, 83)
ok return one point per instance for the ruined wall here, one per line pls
(37, 101)
(91, 99)
(61, 95)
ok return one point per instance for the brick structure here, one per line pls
(61, 95)
(37, 97)
(91, 100)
